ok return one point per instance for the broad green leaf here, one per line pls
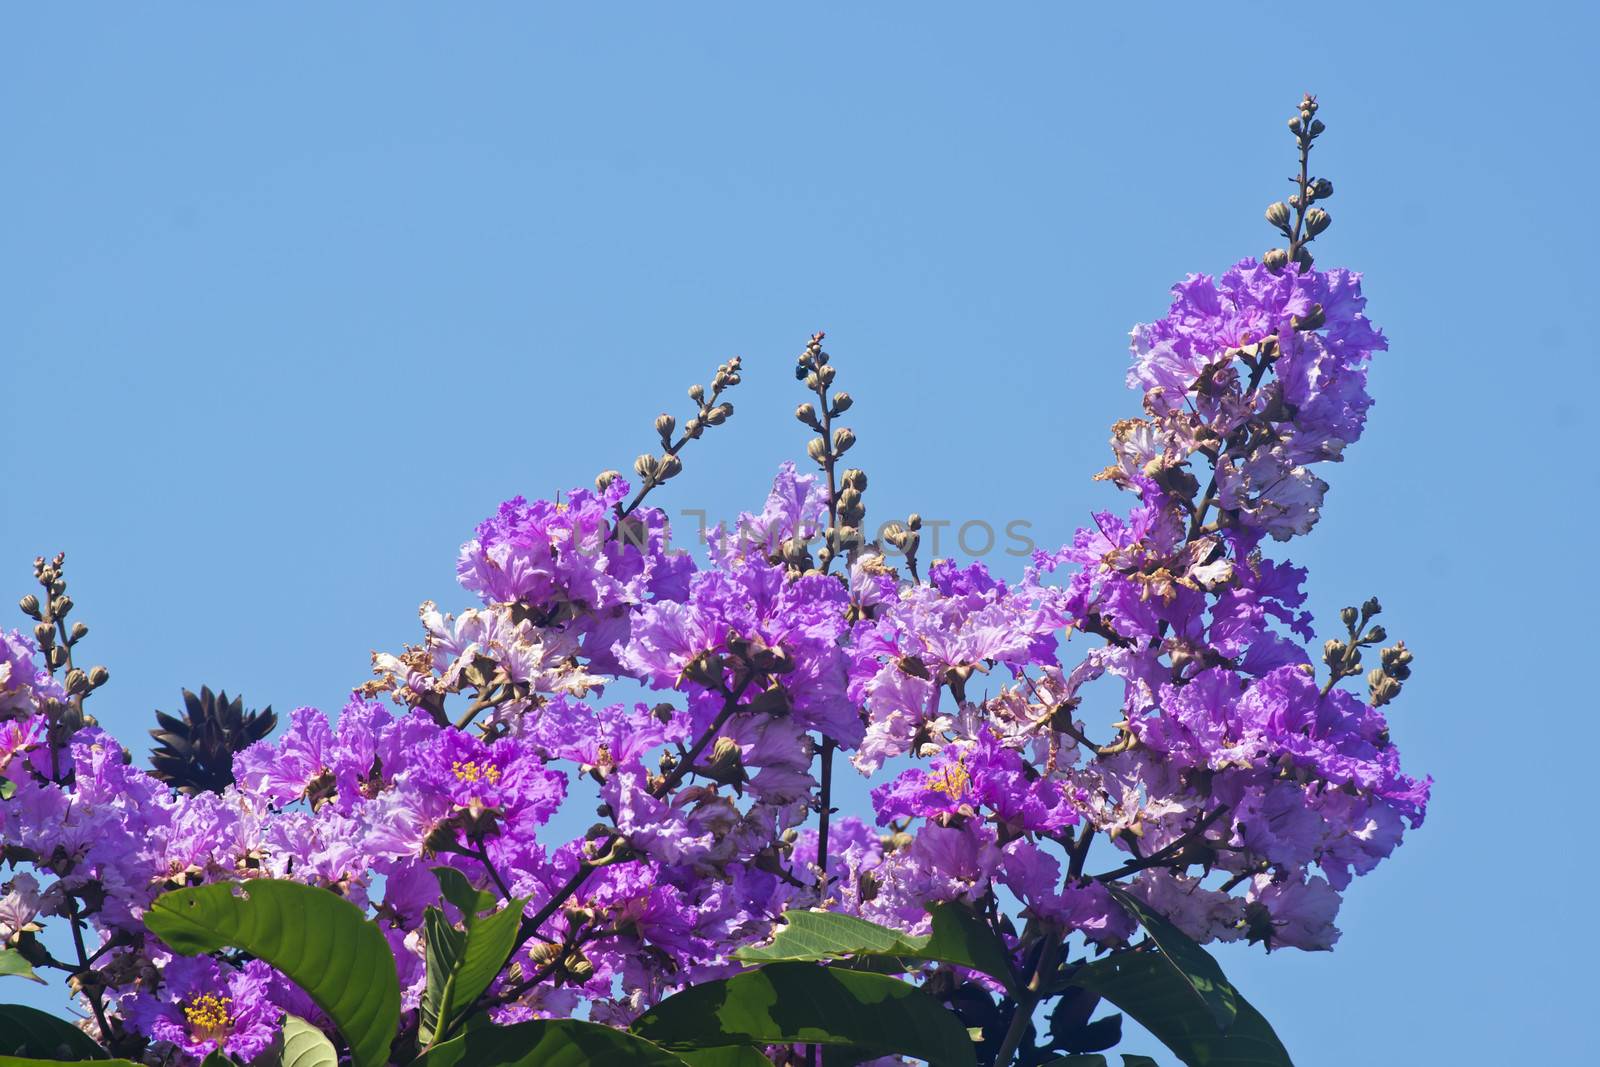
(216, 1059)
(1130, 1059)
(801, 1003)
(8, 789)
(321, 941)
(305, 1045)
(444, 943)
(548, 1043)
(1193, 963)
(957, 936)
(724, 1056)
(28, 1031)
(12, 963)
(1093, 1059)
(481, 953)
(1090, 1038)
(1148, 987)
(460, 892)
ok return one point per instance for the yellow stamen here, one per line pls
(951, 781)
(209, 1016)
(473, 771)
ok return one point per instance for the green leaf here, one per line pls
(1193, 963)
(8, 789)
(1148, 987)
(460, 892)
(1130, 1059)
(216, 1059)
(1093, 1059)
(957, 937)
(321, 941)
(28, 1031)
(724, 1056)
(801, 1003)
(474, 960)
(444, 945)
(305, 1045)
(12, 962)
(548, 1043)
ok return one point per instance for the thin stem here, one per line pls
(74, 707)
(651, 483)
(86, 980)
(822, 826)
(482, 856)
(831, 546)
(696, 426)
(1298, 238)
(1028, 1000)
(491, 696)
(1079, 854)
(1170, 852)
(1209, 497)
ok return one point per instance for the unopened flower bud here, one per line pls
(1278, 213)
(79, 632)
(1377, 633)
(1317, 126)
(98, 676)
(1381, 688)
(1295, 125)
(1275, 260)
(856, 479)
(1371, 607)
(77, 682)
(817, 449)
(665, 424)
(44, 633)
(841, 403)
(914, 521)
(670, 466)
(1314, 319)
(1322, 188)
(808, 415)
(697, 393)
(30, 606)
(723, 764)
(645, 466)
(1348, 617)
(60, 606)
(843, 438)
(1317, 220)
(603, 480)
(719, 414)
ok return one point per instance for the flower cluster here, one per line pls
(1138, 710)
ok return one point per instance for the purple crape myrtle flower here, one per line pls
(205, 1006)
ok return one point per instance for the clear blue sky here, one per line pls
(293, 298)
